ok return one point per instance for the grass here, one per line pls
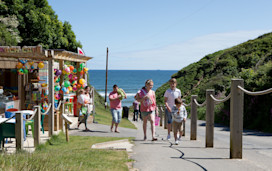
(57, 154)
(103, 116)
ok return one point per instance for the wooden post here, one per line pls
(236, 119)
(165, 118)
(66, 131)
(61, 113)
(37, 126)
(193, 118)
(51, 94)
(183, 125)
(19, 132)
(209, 118)
(160, 111)
(20, 91)
(106, 85)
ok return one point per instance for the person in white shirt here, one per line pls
(179, 114)
(169, 99)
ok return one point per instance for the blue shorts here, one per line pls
(169, 116)
(116, 115)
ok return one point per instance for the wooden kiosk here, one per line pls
(9, 57)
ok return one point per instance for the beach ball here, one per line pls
(79, 69)
(75, 78)
(67, 70)
(74, 88)
(70, 88)
(19, 65)
(64, 89)
(85, 69)
(57, 88)
(57, 96)
(70, 76)
(25, 71)
(71, 68)
(30, 63)
(32, 67)
(66, 83)
(75, 70)
(82, 81)
(81, 72)
(41, 65)
(58, 72)
(58, 80)
(79, 86)
(74, 82)
(21, 71)
(82, 65)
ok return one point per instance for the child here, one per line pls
(179, 115)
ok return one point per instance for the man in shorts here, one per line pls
(169, 99)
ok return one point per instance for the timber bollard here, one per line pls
(193, 118)
(160, 111)
(236, 119)
(37, 126)
(19, 132)
(165, 118)
(209, 118)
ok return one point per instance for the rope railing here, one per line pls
(34, 113)
(200, 105)
(60, 102)
(187, 104)
(257, 93)
(7, 120)
(47, 110)
(220, 100)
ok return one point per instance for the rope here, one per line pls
(255, 93)
(7, 120)
(200, 105)
(34, 113)
(47, 110)
(220, 100)
(187, 104)
(59, 105)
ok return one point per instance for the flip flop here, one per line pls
(154, 139)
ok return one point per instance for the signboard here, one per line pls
(18, 49)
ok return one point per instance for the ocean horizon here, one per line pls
(129, 80)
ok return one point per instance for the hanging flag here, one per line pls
(80, 51)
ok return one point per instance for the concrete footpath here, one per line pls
(190, 155)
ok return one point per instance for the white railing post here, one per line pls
(209, 118)
(193, 118)
(236, 119)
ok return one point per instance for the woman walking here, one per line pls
(147, 98)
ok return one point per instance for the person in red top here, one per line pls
(115, 108)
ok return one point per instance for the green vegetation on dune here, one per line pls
(250, 61)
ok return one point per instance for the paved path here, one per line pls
(191, 155)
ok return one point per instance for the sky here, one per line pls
(161, 34)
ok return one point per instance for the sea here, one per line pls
(129, 80)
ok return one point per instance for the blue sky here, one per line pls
(161, 34)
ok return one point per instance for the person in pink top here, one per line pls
(147, 98)
(115, 108)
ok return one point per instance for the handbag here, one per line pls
(83, 110)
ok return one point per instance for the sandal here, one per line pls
(144, 138)
(117, 131)
(154, 139)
